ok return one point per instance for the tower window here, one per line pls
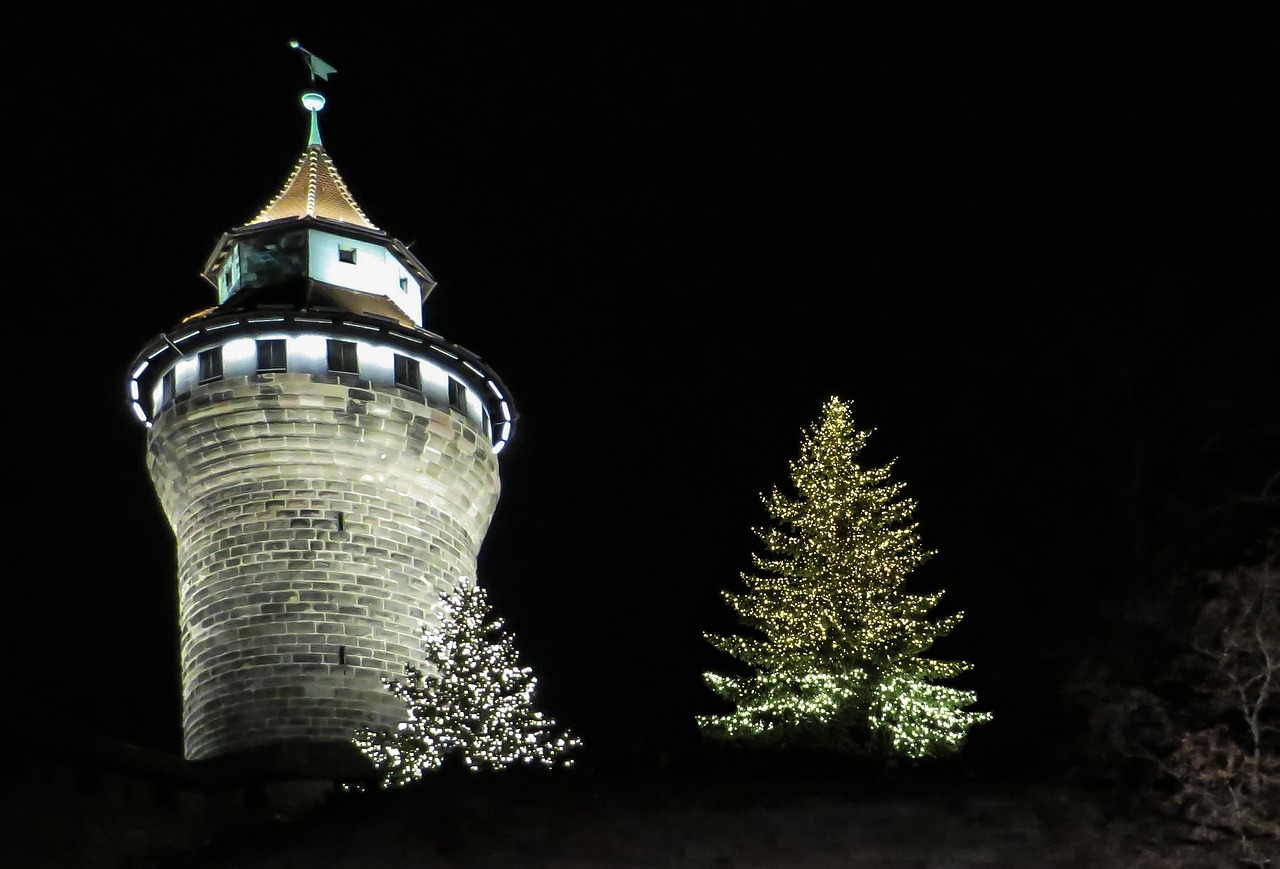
(271, 355)
(408, 374)
(457, 396)
(210, 362)
(168, 387)
(404, 284)
(347, 255)
(342, 357)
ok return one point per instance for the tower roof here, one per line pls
(315, 189)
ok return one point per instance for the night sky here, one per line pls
(1036, 249)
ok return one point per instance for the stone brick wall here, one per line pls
(316, 518)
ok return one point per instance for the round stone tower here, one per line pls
(328, 467)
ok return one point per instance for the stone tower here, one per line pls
(328, 467)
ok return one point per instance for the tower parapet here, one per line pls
(328, 467)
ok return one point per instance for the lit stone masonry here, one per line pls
(317, 523)
(329, 467)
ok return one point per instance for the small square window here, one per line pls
(342, 357)
(404, 284)
(346, 254)
(457, 396)
(408, 374)
(271, 355)
(210, 362)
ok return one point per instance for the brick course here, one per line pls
(310, 515)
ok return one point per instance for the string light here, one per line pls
(472, 700)
(835, 640)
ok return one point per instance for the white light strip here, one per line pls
(478, 372)
(220, 326)
(310, 320)
(444, 352)
(179, 340)
(133, 390)
(494, 389)
(139, 412)
(414, 338)
(433, 335)
(497, 448)
(158, 352)
(141, 368)
(506, 431)
(506, 411)
(362, 326)
(266, 320)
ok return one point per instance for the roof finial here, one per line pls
(312, 99)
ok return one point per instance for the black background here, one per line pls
(1036, 248)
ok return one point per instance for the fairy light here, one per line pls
(835, 640)
(472, 699)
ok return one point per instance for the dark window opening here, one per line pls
(404, 284)
(271, 355)
(408, 374)
(210, 362)
(457, 396)
(168, 387)
(342, 656)
(346, 254)
(342, 357)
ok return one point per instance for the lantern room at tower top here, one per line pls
(312, 265)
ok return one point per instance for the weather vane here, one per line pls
(315, 65)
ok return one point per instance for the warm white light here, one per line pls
(472, 701)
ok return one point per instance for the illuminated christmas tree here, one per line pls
(836, 641)
(472, 702)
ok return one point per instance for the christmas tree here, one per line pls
(836, 642)
(472, 701)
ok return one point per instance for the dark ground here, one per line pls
(107, 806)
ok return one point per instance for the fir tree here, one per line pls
(836, 641)
(472, 702)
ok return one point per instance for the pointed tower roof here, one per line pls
(314, 189)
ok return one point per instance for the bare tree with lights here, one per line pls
(836, 641)
(472, 702)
